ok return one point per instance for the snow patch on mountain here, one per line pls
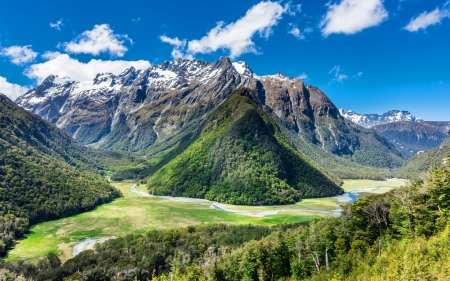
(370, 120)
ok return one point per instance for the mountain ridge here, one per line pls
(241, 157)
(371, 120)
(141, 110)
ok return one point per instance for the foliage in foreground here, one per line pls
(404, 234)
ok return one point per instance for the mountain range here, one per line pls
(371, 120)
(156, 111)
(411, 138)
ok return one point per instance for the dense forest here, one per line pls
(44, 174)
(401, 235)
(242, 157)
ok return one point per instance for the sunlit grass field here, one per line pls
(135, 214)
(357, 184)
(131, 214)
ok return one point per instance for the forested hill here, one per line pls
(401, 235)
(424, 161)
(242, 157)
(40, 175)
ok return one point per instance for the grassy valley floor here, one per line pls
(135, 214)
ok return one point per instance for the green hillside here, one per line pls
(424, 161)
(44, 174)
(241, 157)
(401, 235)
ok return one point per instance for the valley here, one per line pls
(136, 214)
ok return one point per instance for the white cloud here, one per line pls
(426, 19)
(65, 66)
(57, 25)
(338, 76)
(237, 37)
(100, 39)
(178, 46)
(352, 16)
(296, 32)
(19, 54)
(12, 91)
(294, 9)
(303, 76)
(136, 20)
(357, 75)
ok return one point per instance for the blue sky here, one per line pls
(366, 55)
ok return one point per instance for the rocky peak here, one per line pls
(370, 120)
(243, 69)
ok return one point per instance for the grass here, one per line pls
(131, 214)
(134, 214)
(358, 184)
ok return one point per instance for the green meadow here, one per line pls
(135, 214)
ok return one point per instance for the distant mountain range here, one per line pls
(371, 120)
(413, 137)
(408, 133)
(156, 112)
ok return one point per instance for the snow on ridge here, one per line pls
(370, 120)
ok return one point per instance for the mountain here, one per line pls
(242, 157)
(413, 137)
(156, 112)
(370, 120)
(44, 173)
(424, 161)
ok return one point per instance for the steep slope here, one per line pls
(39, 178)
(424, 161)
(156, 111)
(412, 137)
(241, 157)
(370, 120)
(310, 115)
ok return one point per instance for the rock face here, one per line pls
(370, 120)
(412, 137)
(142, 110)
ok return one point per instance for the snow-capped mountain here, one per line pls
(144, 109)
(370, 120)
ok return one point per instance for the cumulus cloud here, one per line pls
(426, 19)
(57, 25)
(352, 16)
(98, 40)
(65, 66)
(236, 37)
(296, 32)
(12, 91)
(19, 54)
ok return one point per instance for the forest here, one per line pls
(242, 157)
(401, 235)
(44, 174)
